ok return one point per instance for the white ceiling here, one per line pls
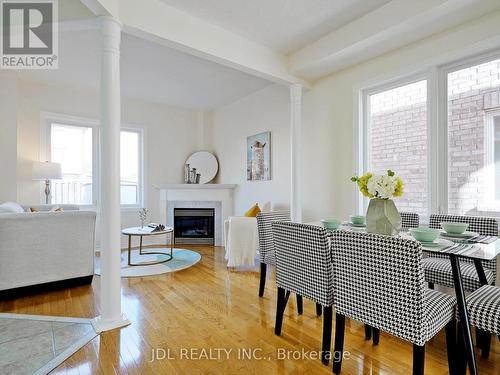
(149, 71)
(284, 25)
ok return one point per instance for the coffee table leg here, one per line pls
(129, 247)
(171, 244)
(140, 246)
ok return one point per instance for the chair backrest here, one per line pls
(379, 280)
(265, 231)
(304, 261)
(409, 220)
(486, 226)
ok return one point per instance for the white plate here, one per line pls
(438, 242)
(464, 235)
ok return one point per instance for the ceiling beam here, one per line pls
(392, 26)
(103, 7)
(156, 21)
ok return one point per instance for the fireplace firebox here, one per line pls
(194, 226)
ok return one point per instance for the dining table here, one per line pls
(476, 249)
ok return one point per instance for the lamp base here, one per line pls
(47, 191)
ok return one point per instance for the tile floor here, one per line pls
(32, 344)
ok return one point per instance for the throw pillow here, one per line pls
(32, 209)
(253, 211)
(56, 209)
(11, 207)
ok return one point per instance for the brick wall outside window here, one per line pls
(398, 139)
(398, 132)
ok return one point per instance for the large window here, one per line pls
(397, 140)
(443, 141)
(75, 144)
(473, 147)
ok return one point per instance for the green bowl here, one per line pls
(454, 228)
(357, 219)
(331, 224)
(424, 234)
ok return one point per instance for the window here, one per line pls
(473, 139)
(75, 144)
(441, 134)
(129, 167)
(72, 147)
(397, 139)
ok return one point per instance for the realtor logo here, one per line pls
(29, 34)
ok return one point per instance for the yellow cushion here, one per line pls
(253, 211)
(33, 209)
(56, 209)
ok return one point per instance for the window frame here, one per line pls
(489, 142)
(436, 73)
(48, 118)
(364, 129)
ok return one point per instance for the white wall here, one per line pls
(265, 110)
(170, 137)
(8, 140)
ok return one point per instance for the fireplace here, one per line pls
(194, 226)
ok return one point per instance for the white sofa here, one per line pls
(46, 247)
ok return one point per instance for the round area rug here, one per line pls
(183, 259)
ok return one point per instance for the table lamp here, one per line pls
(46, 171)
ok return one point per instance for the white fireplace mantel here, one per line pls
(195, 186)
(217, 196)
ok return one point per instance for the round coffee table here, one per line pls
(141, 232)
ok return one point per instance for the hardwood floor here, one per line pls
(212, 308)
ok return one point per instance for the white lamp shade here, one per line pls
(46, 171)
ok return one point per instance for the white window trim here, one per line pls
(47, 118)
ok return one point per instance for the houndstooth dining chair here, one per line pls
(483, 306)
(266, 244)
(409, 220)
(304, 266)
(379, 280)
(438, 267)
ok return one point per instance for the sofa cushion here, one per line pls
(11, 207)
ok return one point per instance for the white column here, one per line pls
(296, 156)
(111, 315)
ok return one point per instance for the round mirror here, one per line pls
(206, 165)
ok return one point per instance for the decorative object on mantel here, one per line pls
(259, 157)
(200, 168)
(46, 171)
(382, 216)
(143, 215)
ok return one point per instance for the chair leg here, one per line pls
(263, 269)
(376, 336)
(368, 332)
(327, 335)
(338, 352)
(451, 345)
(280, 309)
(418, 359)
(300, 306)
(431, 285)
(319, 309)
(485, 343)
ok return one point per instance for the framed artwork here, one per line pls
(259, 157)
